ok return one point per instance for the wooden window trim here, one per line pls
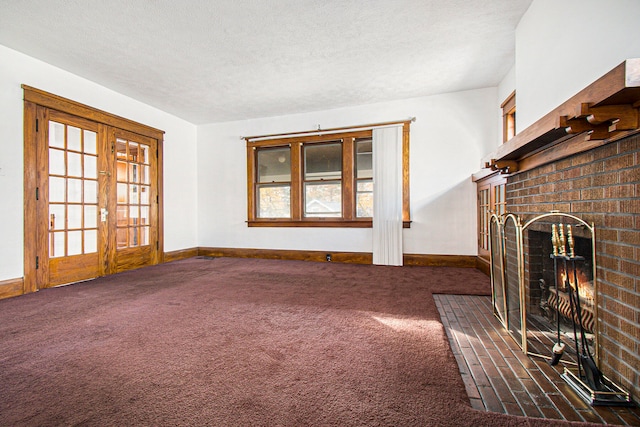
(509, 117)
(295, 141)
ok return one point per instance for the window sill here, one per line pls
(329, 222)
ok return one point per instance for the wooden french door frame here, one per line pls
(35, 243)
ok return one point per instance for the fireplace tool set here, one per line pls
(587, 381)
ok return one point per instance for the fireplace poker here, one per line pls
(573, 309)
(558, 348)
(592, 374)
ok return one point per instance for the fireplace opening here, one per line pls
(547, 281)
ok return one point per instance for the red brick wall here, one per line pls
(601, 186)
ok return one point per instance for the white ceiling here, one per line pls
(218, 60)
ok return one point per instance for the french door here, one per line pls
(96, 208)
(70, 187)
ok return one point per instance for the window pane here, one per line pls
(274, 201)
(90, 241)
(144, 154)
(90, 167)
(364, 160)
(89, 142)
(133, 152)
(56, 134)
(91, 191)
(122, 193)
(121, 214)
(144, 236)
(73, 139)
(56, 217)
(134, 176)
(74, 242)
(74, 216)
(121, 148)
(57, 189)
(133, 237)
(364, 199)
(74, 164)
(57, 244)
(56, 162)
(145, 175)
(121, 171)
(144, 215)
(121, 236)
(323, 199)
(144, 194)
(74, 190)
(90, 216)
(133, 215)
(274, 165)
(323, 161)
(134, 192)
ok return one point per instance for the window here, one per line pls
(274, 183)
(312, 180)
(509, 117)
(364, 178)
(323, 180)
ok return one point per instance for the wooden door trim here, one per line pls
(35, 117)
(65, 105)
(29, 198)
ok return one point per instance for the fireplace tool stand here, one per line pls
(587, 380)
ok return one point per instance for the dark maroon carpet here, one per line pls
(239, 342)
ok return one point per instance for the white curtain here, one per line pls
(387, 195)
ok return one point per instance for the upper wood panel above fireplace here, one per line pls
(604, 111)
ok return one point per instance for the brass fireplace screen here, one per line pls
(530, 280)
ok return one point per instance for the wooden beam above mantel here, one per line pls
(604, 111)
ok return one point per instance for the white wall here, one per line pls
(180, 184)
(450, 135)
(563, 46)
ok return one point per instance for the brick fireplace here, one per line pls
(582, 159)
(601, 186)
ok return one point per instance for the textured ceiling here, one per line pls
(219, 60)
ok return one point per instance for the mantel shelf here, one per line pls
(604, 111)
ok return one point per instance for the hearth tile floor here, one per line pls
(500, 378)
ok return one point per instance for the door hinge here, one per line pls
(37, 193)
(37, 262)
(157, 199)
(36, 125)
(157, 245)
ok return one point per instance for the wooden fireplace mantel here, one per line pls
(604, 111)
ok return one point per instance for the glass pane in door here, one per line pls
(132, 197)
(73, 188)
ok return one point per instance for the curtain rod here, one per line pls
(320, 131)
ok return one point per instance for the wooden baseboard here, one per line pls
(11, 288)
(181, 254)
(342, 257)
(483, 265)
(14, 287)
(465, 261)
